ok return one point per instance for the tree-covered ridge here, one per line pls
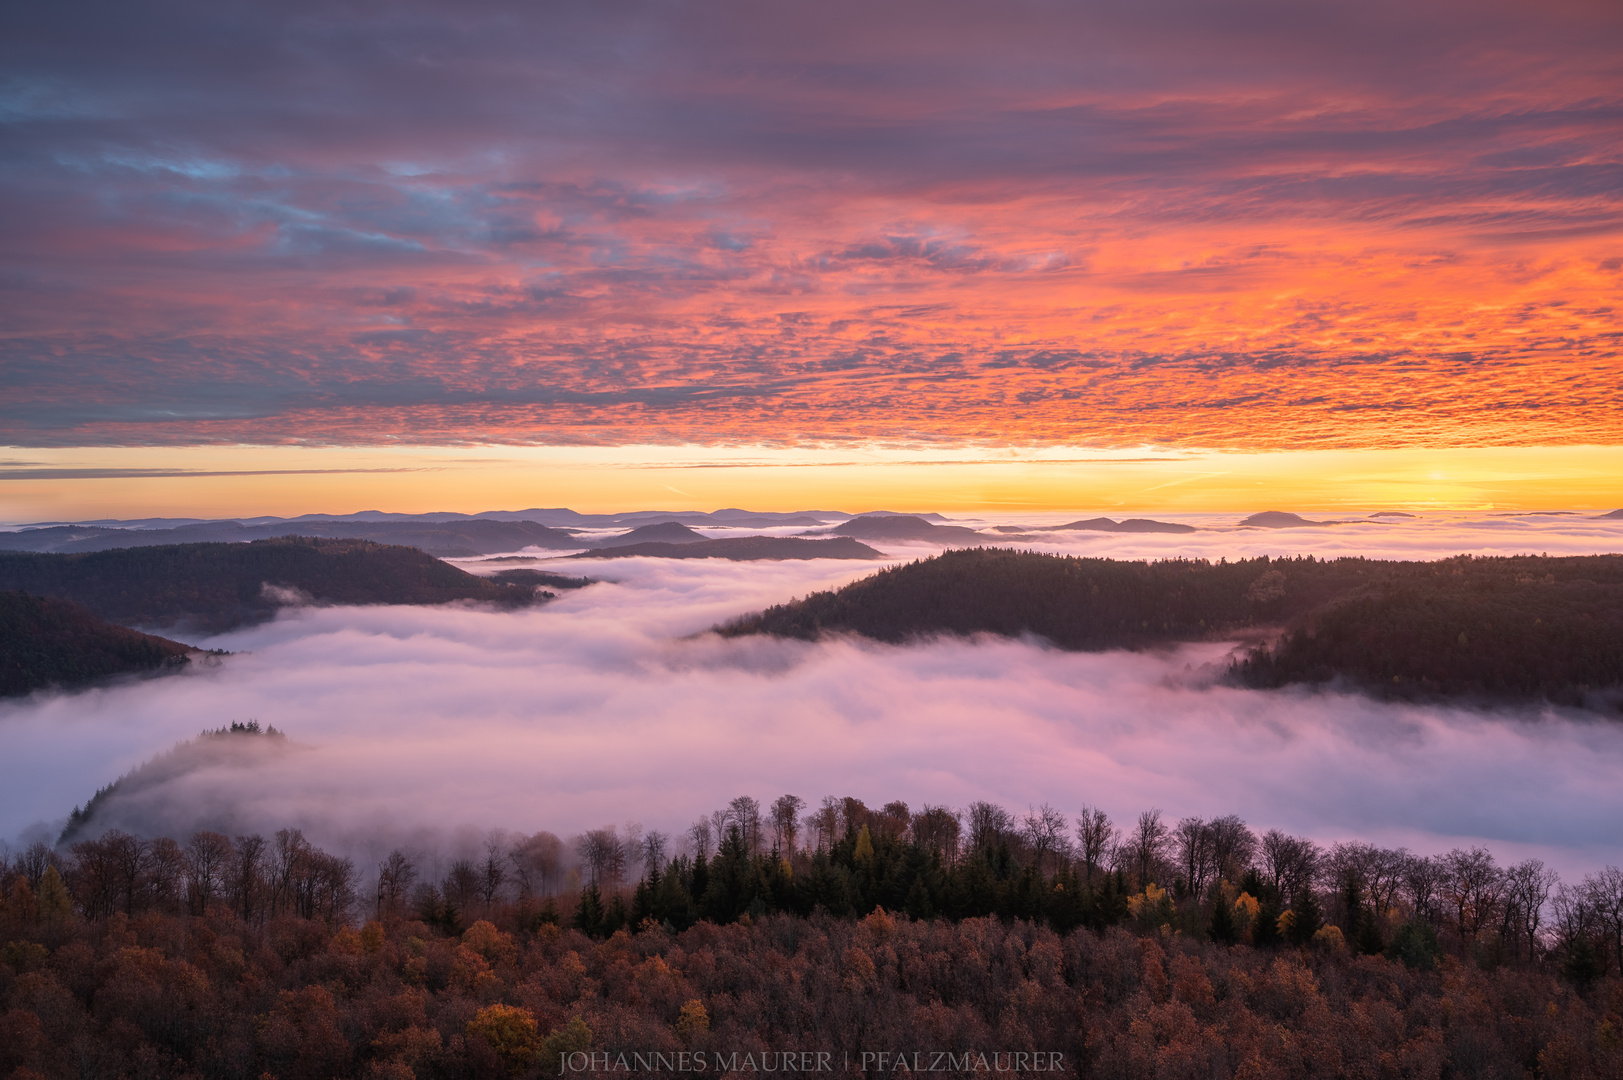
(52, 642)
(1253, 956)
(740, 549)
(217, 586)
(1520, 626)
(478, 536)
(239, 743)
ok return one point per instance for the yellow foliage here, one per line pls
(864, 851)
(1287, 919)
(1330, 938)
(510, 1031)
(22, 906)
(492, 944)
(1152, 905)
(692, 1021)
(54, 902)
(347, 942)
(1246, 907)
(880, 923)
(372, 937)
(573, 1037)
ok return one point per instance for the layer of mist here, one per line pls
(429, 726)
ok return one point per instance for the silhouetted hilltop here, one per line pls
(217, 586)
(45, 641)
(1614, 515)
(904, 527)
(665, 532)
(1516, 627)
(1279, 519)
(541, 579)
(1131, 525)
(742, 549)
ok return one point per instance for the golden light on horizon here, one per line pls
(245, 481)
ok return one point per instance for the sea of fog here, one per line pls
(429, 727)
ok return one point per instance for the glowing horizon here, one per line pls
(86, 484)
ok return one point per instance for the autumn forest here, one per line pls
(1153, 947)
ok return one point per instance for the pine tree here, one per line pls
(1223, 929)
(1309, 917)
(589, 914)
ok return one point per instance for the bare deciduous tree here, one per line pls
(654, 844)
(1046, 831)
(245, 875)
(1096, 838)
(604, 855)
(699, 833)
(1603, 892)
(936, 830)
(537, 863)
(745, 813)
(1470, 882)
(1291, 863)
(1146, 847)
(989, 824)
(208, 857)
(785, 822)
(396, 874)
(1527, 888)
(1193, 839)
(1422, 877)
(1234, 847)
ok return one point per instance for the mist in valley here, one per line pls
(426, 727)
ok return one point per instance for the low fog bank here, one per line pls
(426, 727)
(1432, 536)
(1429, 536)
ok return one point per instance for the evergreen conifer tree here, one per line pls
(589, 913)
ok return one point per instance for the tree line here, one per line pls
(1155, 947)
(1216, 879)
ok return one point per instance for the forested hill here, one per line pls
(50, 642)
(742, 549)
(214, 587)
(1513, 627)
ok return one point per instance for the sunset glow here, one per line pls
(1286, 228)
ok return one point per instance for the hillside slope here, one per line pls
(1501, 628)
(214, 587)
(46, 641)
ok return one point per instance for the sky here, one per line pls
(291, 239)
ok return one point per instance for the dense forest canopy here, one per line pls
(1192, 948)
(217, 586)
(1499, 627)
(52, 642)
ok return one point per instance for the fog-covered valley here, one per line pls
(429, 726)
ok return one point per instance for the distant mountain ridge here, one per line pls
(903, 527)
(742, 549)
